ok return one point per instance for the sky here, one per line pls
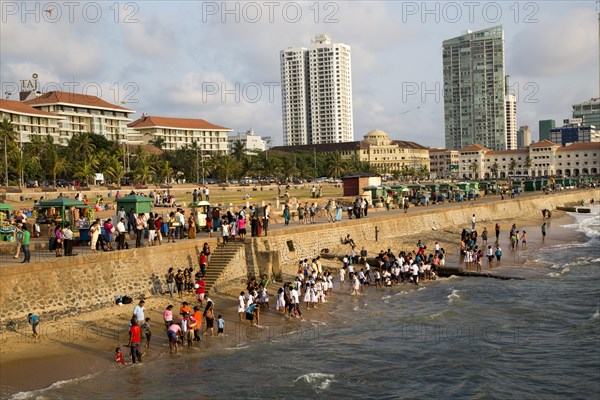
(219, 61)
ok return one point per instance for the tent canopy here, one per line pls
(5, 207)
(62, 202)
(140, 204)
(199, 204)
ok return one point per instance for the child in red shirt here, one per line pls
(119, 356)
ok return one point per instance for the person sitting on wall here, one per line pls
(348, 240)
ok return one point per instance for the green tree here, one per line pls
(512, 166)
(238, 150)
(8, 136)
(59, 165)
(81, 145)
(84, 171)
(474, 167)
(158, 142)
(115, 171)
(528, 164)
(144, 173)
(494, 169)
(165, 172)
(335, 165)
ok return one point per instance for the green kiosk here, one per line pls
(140, 204)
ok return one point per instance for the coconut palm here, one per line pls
(512, 166)
(84, 170)
(158, 142)
(474, 167)
(82, 145)
(528, 164)
(165, 171)
(115, 170)
(59, 165)
(238, 150)
(144, 173)
(494, 169)
(8, 136)
(335, 165)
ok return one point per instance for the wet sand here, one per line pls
(78, 346)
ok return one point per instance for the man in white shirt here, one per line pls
(138, 312)
(121, 234)
(206, 193)
(473, 220)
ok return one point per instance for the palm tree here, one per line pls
(115, 170)
(512, 166)
(288, 165)
(474, 168)
(528, 164)
(494, 169)
(81, 144)
(238, 150)
(9, 136)
(335, 165)
(165, 171)
(144, 173)
(85, 171)
(59, 165)
(225, 166)
(158, 142)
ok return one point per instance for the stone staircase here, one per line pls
(220, 258)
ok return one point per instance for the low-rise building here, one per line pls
(177, 133)
(28, 121)
(381, 152)
(443, 163)
(573, 131)
(543, 158)
(84, 113)
(248, 139)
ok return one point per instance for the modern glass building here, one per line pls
(589, 112)
(544, 127)
(474, 89)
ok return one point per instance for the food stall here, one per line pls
(200, 211)
(139, 204)
(6, 228)
(63, 210)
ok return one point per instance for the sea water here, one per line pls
(453, 338)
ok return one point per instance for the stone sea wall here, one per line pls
(70, 285)
(67, 286)
(280, 251)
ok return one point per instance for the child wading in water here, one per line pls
(119, 356)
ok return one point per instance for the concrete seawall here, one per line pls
(69, 286)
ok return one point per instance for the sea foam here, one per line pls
(317, 380)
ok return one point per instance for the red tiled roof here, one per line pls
(543, 143)
(474, 147)
(74, 99)
(581, 146)
(148, 148)
(22, 108)
(177, 123)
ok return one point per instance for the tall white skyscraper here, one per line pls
(511, 122)
(474, 89)
(316, 92)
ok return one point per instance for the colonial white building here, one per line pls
(28, 121)
(543, 158)
(84, 113)
(248, 139)
(177, 133)
(443, 163)
(316, 91)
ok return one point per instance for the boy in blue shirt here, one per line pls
(220, 325)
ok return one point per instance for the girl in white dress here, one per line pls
(342, 276)
(280, 305)
(307, 295)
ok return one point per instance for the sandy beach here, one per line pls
(88, 340)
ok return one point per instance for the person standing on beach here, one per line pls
(173, 333)
(138, 312)
(484, 236)
(147, 332)
(241, 305)
(121, 234)
(490, 255)
(473, 221)
(543, 231)
(497, 232)
(34, 321)
(498, 253)
(135, 337)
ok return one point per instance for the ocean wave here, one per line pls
(56, 385)
(452, 296)
(386, 297)
(554, 274)
(317, 380)
(596, 315)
